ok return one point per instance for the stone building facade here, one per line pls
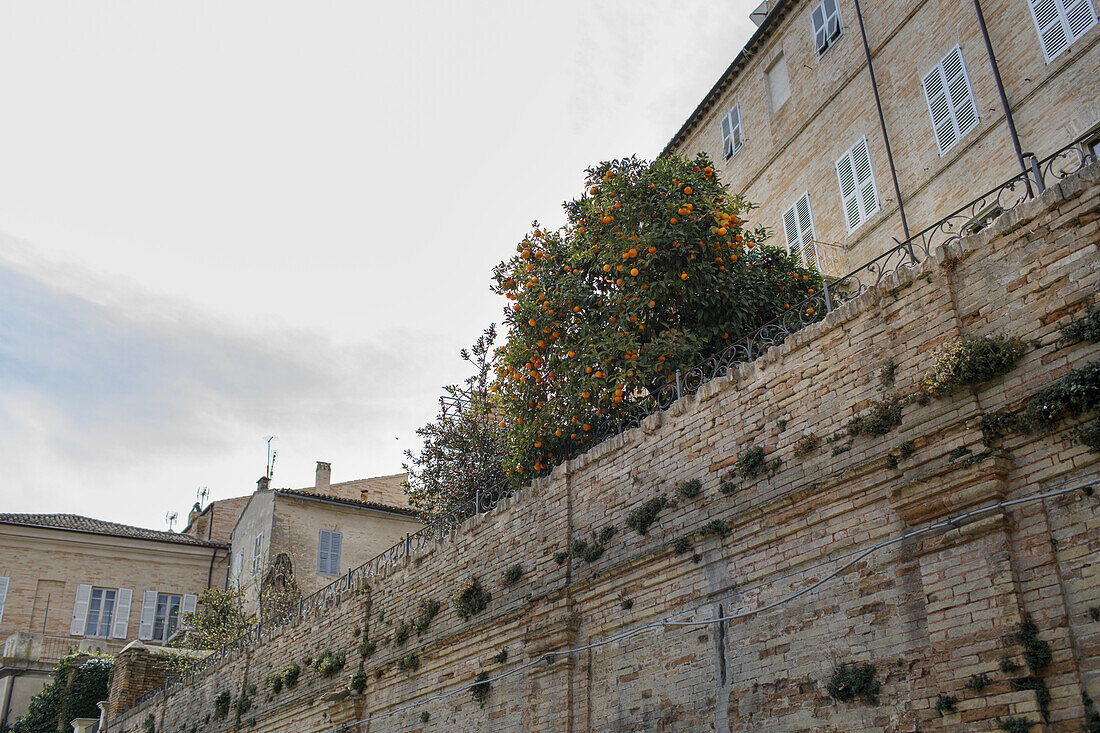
(317, 533)
(934, 571)
(793, 123)
(75, 583)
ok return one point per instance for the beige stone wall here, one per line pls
(364, 534)
(927, 612)
(793, 150)
(217, 520)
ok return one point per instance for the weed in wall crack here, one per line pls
(714, 527)
(481, 688)
(471, 599)
(1013, 725)
(854, 680)
(641, 518)
(1085, 328)
(1036, 651)
(947, 704)
(513, 574)
(978, 682)
(752, 462)
(805, 445)
(974, 361)
(690, 489)
(681, 546)
(883, 417)
(1042, 693)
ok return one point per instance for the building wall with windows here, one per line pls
(809, 127)
(323, 530)
(70, 583)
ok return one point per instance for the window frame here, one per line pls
(164, 621)
(829, 41)
(95, 611)
(257, 550)
(736, 141)
(332, 568)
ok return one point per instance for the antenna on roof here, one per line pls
(202, 493)
(271, 455)
(170, 518)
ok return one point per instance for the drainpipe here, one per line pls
(882, 123)
(1004, 99)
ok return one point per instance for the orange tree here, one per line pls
(654, 271)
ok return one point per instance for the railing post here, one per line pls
(299, 607)
(1036, 171)
(408, 545)
(828, 298)
(477, 501)
(679, 394)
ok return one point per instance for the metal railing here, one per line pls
(963, 221)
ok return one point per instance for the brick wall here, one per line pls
(928, 611)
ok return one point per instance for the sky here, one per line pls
(226, 220)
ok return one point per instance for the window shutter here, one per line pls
(938, 106)
(865, 179)
(959, 92)
(323, 552)
(735, 127)
(1048, 21)
(190, 603)
(3, 596)
(1080, 17)
(727, 137)
(148, 614)
(80, 609)
(334, 556)
(235, 570)
(790, 228)
(848, 193)
(817, 20)
(122, 613)
(806, 227)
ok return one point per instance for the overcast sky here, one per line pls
(226, 220)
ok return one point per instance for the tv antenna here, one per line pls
(202, 494)
(271, 456)
(170, 518)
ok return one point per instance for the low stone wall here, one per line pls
(932, 612)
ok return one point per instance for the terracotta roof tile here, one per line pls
(77, 523)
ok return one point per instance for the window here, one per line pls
(779, 84)
(1061, 22)
(950, 100)
(256, 548)
(328, 553)
(235, 570)
(166, 619)
(857, 185)
(101, 607)
(798, 225)
(732, 136)
(3, 596)
(825, 20)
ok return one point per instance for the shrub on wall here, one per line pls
(641, 518)
(471, 599)
(329, 663)
(961, 363)
(853, 680)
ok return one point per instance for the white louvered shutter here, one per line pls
(148, 615)
(1061, 22)
(3, 596)
(849, 195)
(857, 185)
(790, 228)
(80, 609)
(235, 570)
(190, 603)
(735, 127)
(323, 552)
(865, 179)
(727, 137)
(121, 624)
(799, 228)
(950, 100)
(1080, 17)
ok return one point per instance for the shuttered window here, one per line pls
(101, 607)
(950, 100)
(825, 19)
(122, 613)
(3, 596)
(798, 224)
(256, 549)
(328, 552)
(857, 185)
(732, 136)
(166, 619)
(1061, 22)
(148, 615)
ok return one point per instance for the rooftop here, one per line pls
(309, 494)
(77, 523)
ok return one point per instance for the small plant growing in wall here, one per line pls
(428, 611)
(501, 656)
(1085, 328)
(690, 489)
(753, 462)
(682, 545)
(481, 688)
(359, 681)
(425, 716)
(408, 663)
(561, 556)
(854, 681)
(329, 663)
(221, 704)
(962, 363)
(1037, 654)
(978, 682)
(367, 648)
(805, 445)
(471, 599)
(641, 518)
(883, 417)
(715, 527)
(150, 724)
(947, 704)
(728, 486)
(401, 635)
(513, 574)
(275, 682)
(1013, 725)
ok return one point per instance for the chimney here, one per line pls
(195, 511)
(324, 478)
(263, 483)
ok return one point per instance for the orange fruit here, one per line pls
(532, 322)
(672, 220)
(687, 190)
(682, 277)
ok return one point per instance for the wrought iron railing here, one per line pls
(965, 220)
